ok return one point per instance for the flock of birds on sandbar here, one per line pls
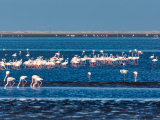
(56, 61)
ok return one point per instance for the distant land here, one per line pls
(153, 33)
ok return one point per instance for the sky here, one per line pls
(79, 15)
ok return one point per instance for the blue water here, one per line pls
(68, 47)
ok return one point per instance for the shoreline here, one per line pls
(79, 35)
(154, 34)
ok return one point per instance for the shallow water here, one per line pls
(65, 92)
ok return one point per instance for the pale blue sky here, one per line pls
(79, 15)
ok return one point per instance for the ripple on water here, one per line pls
(84, 109)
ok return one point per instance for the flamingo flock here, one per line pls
(57, 61)
(104, 59)
(35, 80)
(38, 63)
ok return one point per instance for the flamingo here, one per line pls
(57, 63)
(27, 55)
(65, 63)
(135, 50)
(22, 78)
(152, 56)
(7, 75)
(27, 49)
(14, 55)
(154, 60)
(19, 53)
(9, 79)
(140, 52)
(93, 52)
(101, 51)
(83, 52)
(33, 78)
(38, 79)
(89, 74)
(124, 72)
(135, 75)
(58, 54)
(92, 61)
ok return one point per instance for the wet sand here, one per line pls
(94, 84)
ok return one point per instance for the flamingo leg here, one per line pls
(12, 84)
(40, 84)
(25, 82)
(89, 79)
(6, 85)
(22, 83)
(9, 83)
(34, 85)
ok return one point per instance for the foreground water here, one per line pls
(65, 92)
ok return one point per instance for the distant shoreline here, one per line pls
(80, 35)
(154, 34)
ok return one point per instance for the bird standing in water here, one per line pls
(89, 74)
(22, 78)
(9, 79)
(38, 79)
(135, 76)
(124, 72)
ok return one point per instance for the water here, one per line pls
(65, 92)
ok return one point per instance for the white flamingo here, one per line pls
(7, 75)
(124, 72)
(154, 60)
(19, 53)
(9, 79)
(83, 52)
(38, 79)
(22, 78)
(65, 63)
(89, 74)
(93, 52)
(27, 55)
(14, 55)
(33, 78)
(58, 54)
(135, 76)
(152, 56)
(135, 50)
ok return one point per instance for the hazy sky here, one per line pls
(79, 15)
